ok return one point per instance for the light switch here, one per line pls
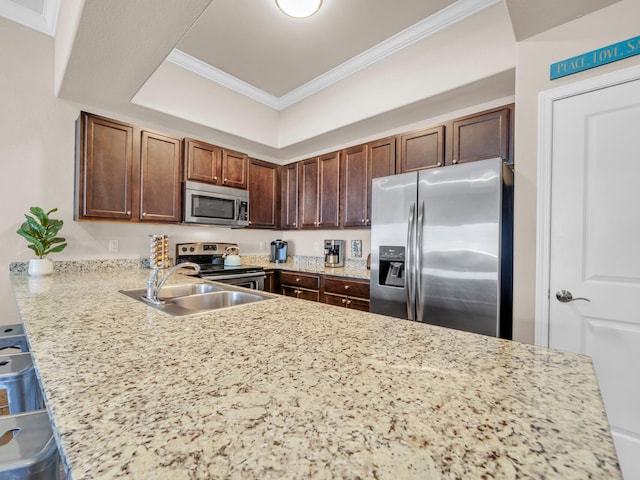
(113, 246)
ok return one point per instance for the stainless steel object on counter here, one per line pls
(278, 251)
(442, 246)
(334, 253)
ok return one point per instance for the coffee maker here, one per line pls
(334, 253)
(278, 251)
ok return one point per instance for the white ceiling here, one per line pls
(249, 46)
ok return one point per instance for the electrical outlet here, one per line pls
(316, 246)
(113, 246)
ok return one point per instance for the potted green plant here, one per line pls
(41, 232)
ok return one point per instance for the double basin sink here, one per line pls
(190, 299)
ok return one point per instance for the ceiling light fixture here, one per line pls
(299, 8)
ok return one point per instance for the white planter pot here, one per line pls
(40, 266)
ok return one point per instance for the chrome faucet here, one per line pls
(153, 286)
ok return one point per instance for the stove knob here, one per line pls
(184, 249)
(192, 249)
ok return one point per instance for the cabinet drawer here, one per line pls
(347, 287)
(304, 280)
(347, 302)
(303, 293)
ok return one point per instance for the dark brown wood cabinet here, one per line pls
(349, 293)
(104, 168)
(481, 136)
(272, 281)
(234, 169)
(289, 199)
(264, 194)
(160, 168)
(421, 149)
(209, 163)
(381, 155)
(319, 195)
(125, 173)
(300, 285)
(355, 183)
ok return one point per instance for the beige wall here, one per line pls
(534, 56)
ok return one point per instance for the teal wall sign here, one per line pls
(596, 58)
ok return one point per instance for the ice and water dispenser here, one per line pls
(392, 271)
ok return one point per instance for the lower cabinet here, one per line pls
(339, 291)
(346, 293)
(300, 285)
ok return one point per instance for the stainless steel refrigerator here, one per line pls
(442, 246)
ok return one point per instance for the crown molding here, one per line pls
(447, 17)
(44, 22)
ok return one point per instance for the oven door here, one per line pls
(252, 280)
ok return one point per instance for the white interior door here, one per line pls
(595, 249)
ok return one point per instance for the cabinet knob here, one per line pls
(439, 164)
(455, 161)
(346, 287)
(297, 279)
(364, 221)
(144, 214)
(344, 300)
(348, 302)
(224, 181)
(294, 224)
(215, 179)
(128, 212)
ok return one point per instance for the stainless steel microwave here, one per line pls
(213, 205)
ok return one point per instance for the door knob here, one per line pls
(565, 296)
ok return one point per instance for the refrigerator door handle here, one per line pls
(418, 273)
(410, 260)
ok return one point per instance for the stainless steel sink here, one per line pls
(190, 299)
(216, 300)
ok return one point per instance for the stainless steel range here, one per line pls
(211, 256)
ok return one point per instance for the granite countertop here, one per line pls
(287, 388)
(352, 269)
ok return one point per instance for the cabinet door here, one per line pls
(486, 135)
(264, 193)
(234, 169)
(308, 196)
(290, 196)
(160, 167)
(329, 191)
(422, 149)
(104, 184)
(354, 187)
(381, 155)
(203, 161)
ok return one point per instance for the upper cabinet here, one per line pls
(104, 168)
(209, 163)
(381, 156)
(319, 195)
(125, 173)
(264, 194)
(234, 169)
(160, 187)
(484, 135)
(289, 184)
(421, 149)
(355, 182)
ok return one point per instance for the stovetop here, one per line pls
(210, 257)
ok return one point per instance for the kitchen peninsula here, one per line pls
(286, 388)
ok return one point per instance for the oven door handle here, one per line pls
(234, 276)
